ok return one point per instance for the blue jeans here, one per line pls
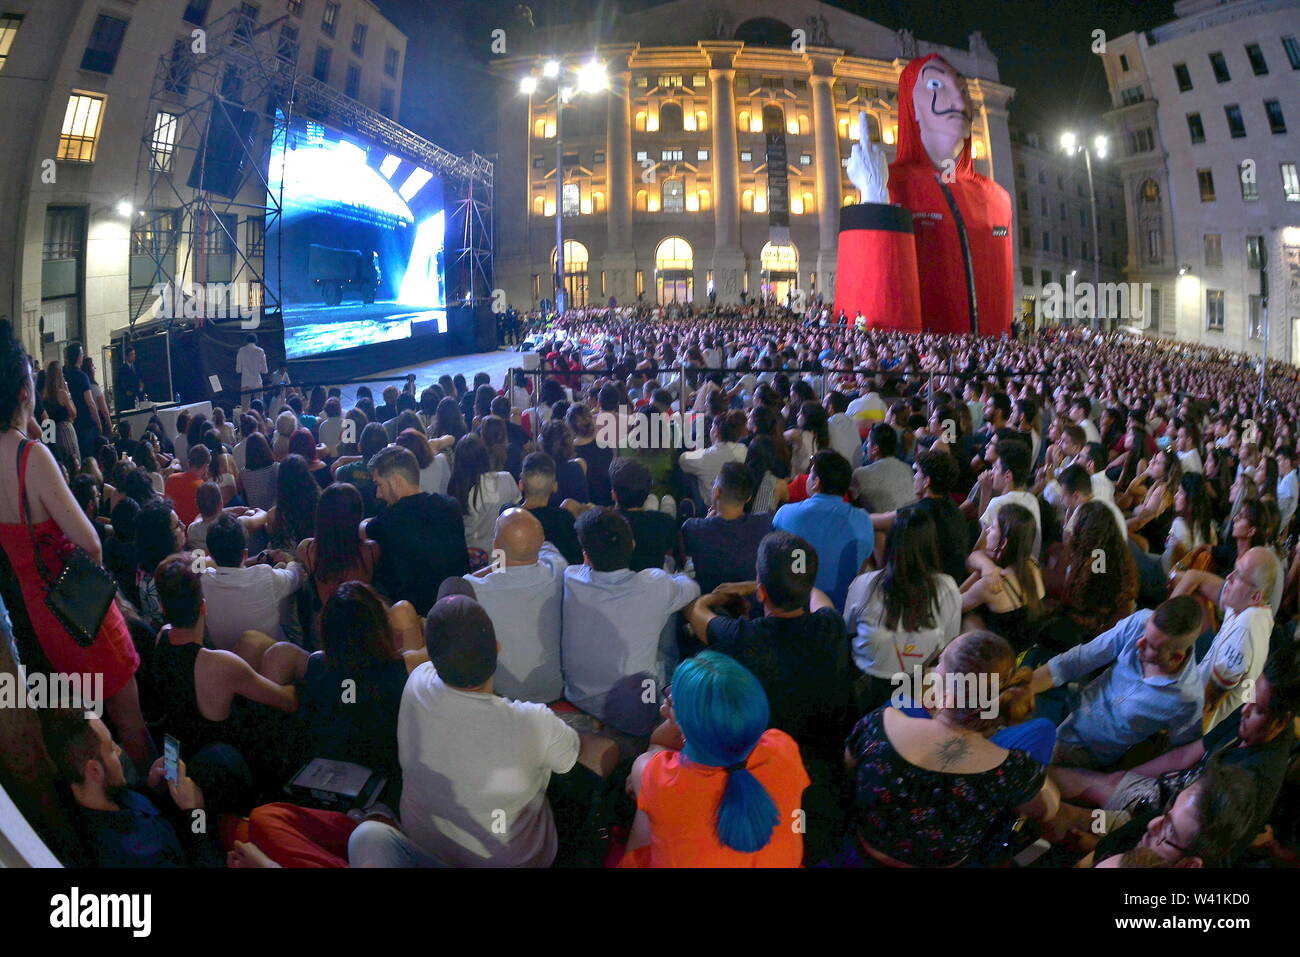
(375, 844)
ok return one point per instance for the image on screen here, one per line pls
(357, 254)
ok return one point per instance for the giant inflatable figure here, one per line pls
(929, 246)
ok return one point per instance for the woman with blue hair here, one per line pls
(717, 788)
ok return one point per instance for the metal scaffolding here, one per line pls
(238, 81)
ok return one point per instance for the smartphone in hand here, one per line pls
(171, 759)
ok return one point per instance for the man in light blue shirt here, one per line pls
(842, 535)
(1151, 685)
(614, 669)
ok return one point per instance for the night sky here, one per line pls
(1043, 50)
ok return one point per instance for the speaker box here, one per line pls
(226, 151)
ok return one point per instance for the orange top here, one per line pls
(182, 489)
(681, 800)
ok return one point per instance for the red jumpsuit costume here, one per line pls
(961, 250)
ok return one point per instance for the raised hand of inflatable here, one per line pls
(868, 168)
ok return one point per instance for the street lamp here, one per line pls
(1070, 145)
(590, 77)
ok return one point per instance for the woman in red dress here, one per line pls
(28, 469)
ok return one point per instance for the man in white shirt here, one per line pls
(614, 669)
(1080, 415)
(1185, 444)
(844, 431)
(704, 464)
(522, 591)
(256, 598)
(475, 765)
(250, 365)
(867, 409)
(1076, 491)
(1235, 658)
(1004, 484)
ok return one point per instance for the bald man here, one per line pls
(522, 591)
(1235, 658)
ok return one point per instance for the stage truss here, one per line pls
(184, 234)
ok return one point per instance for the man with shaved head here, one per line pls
(1236, 656)
(522, 590)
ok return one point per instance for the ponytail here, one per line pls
(723, 711)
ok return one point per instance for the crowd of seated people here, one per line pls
(739, 588)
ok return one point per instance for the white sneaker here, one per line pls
(651, 503)
(668, 505)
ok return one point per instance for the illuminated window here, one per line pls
(779, 258)
(674, 196)
(747, 200)
(9, 24)
(575, 257)
(796, 205)
(550, 129)
(539, 129)
(549, 210)
(701, 120)
(642, 199)
(744, 121)
(850, 198)
(756, 124)
(706, 199)
(81, 122)
(792, 127)
(329, 20)
(844, 127)
(640, 283)
(572, 199)
(652, 123)
(807, 202)
(804, 126)
(163, 142)
(674, 253)
(598, 202)
(539, 205)
(760, 201)
(701, 156)
(640, 121)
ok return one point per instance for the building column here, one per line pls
(827, 140)
(619, 261)
(728, 257)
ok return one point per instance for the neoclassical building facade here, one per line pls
(668, 177)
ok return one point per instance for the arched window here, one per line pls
(1149, 192)
(670, 118)
(640, 121)
(641, 200)
(1151, 221)
(873, 128)
(747, 200)
(539, 205)
(701, 120)
(674, 196)
(598, 202)
(807, 202)
(674, 253)
(706, 200)
(850, 198)
(779, 258)
(575, 271)
(804, 126)
(793, 126)
(844, 127)
(744, 121)
(539, 129)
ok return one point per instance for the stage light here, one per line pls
(1068, 142)
(1100, 145)
(124, 207)
(551, 68)
(592, 77)
(528, 85)
(389, 166)
(414, 183)
(1184, 270)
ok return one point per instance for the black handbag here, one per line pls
(81, 594)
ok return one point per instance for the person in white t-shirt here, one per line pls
(1185, 443)
(1080, 415)
(475, 765)
(1004, 484)
(1235, 658)
(844, 430)
(1288, 485)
